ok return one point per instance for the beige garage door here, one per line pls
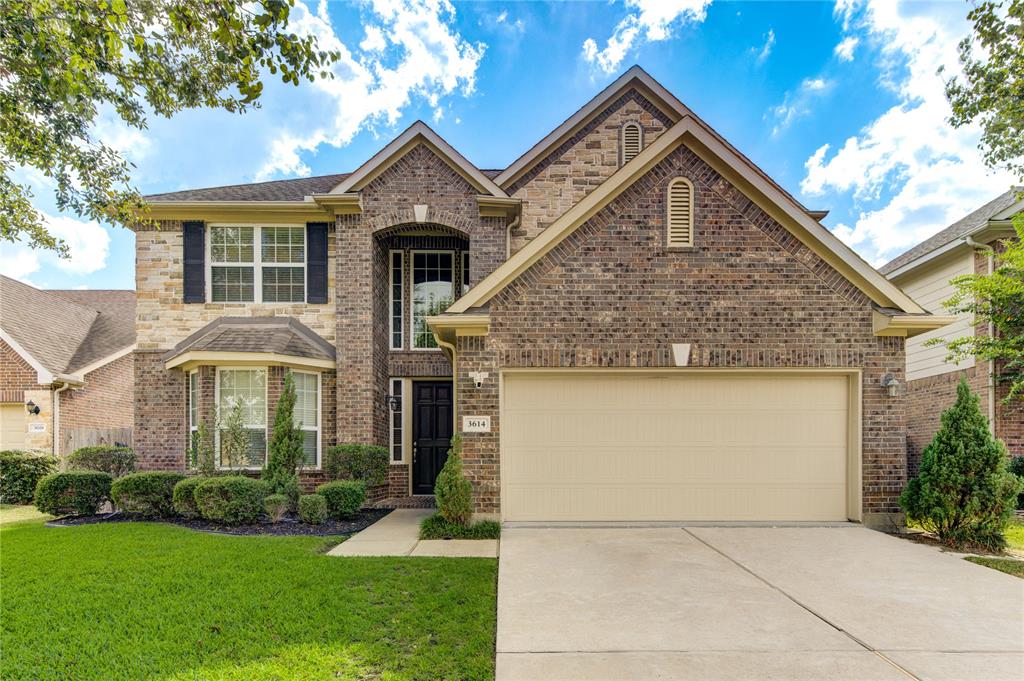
(12, 426)
(679, 446)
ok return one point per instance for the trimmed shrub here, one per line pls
(148, 494)
(117, 461)
(184, 497)
(1017, 468)
(285, 449)
(73, 492)
(312, 509)
(436, 527)
(232, 499)
(20, 472)
(368, 463)
(275, 505)
(453, 491)
(344, 497)
(963, 494)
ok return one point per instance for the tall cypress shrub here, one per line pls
(280, 471)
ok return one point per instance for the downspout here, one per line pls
(991, 331)
(508, 236)
(56, 419)
(449, 349)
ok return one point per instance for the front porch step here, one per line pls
(420, 501)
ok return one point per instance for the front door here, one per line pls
(431, 432)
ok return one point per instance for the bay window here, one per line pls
(246, 391)
(307, 415)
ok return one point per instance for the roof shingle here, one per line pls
(279, 335)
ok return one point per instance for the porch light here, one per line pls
(393, 402)
(891, 384)
(31, 407)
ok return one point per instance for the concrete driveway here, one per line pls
(749, 603)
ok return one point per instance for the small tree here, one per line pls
(285, 447)
(963, 493)
(453, 491)
(202, 450)
(234, 438)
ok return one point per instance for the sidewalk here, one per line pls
(397, 534)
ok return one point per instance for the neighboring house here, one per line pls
(925, 273)
(66, 367)
(646, 326)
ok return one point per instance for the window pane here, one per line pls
(306, 401)
(309, 438)
(232, 284)
(193, 400)
(396, 300)
(465, 272)
(396, 423)
(284, 284)
(246, 387)
(231, 244)
(432, 293)
(283, 244)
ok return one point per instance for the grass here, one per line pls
(436, 527)
(1015, 536)
(12, 513)
(152, 601)
(1010, 566)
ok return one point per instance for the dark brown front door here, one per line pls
(431, 432)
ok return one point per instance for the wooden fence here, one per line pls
(76, 438)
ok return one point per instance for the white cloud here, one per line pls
(908, 170)
(88, 247)
(797, 103)
(434, 61)
(844, 50)
(766, 49)
(647, 20)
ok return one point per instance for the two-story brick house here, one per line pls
(645, 325)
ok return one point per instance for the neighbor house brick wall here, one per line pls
(107, 400)
(749, 294)
(581, 163)
(16, 375)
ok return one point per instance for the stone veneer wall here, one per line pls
(582, 163)
(749, 294)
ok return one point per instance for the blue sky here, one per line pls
(839, 102)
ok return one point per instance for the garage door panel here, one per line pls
(681, 447)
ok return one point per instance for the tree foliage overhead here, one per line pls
(992, 88)
(65, 62)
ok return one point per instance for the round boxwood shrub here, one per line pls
(232, 499)
(276, 505)
(184, 500)
(117, 461)
(312, 509)
(73, 492)
(344, 497)
(148, 494)
(20, 472)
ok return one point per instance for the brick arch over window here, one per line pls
(403, 217)
(435, 228)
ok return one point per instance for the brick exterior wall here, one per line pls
(106, 401)
(749, 294)
(581, 163)
(161, 413)
(16, 375)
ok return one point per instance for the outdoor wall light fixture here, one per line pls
(31, 407)
(393, 402)
(891, 384)
(478, 377)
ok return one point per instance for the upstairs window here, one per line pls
(632, 141)
(433, 290)
(679, 220)
(272, 272)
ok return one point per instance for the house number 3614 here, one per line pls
(476, 424)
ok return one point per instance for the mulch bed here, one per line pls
(289, 526)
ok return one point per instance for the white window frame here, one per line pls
(257, 263)
(392, 441)
(412, 292)
(319, 419)
(391, 298)
(193, 405)
(465, 268)
(266, 405)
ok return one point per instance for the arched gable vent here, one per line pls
(632, 141)
(680, 212)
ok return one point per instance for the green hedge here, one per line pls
(436, 527)
(1017, 468)
(184, 497)
(73, 492)
(117, 461)
(232, 499)
(312, 509)
(148, 494)
(368, 463)
(344, 497)
(20, 472)
(275, 506)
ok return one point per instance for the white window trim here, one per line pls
(266, 397)
(391, 298)
(257, 263)
(391, 423)
(319, 419)
(412, 287)
(193, 425)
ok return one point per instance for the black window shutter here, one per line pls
(194, 256)
(316, 262)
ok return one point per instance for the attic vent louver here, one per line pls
(632, 141)
(680, 213)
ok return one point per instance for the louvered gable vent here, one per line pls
(680, 213)
(632, 141)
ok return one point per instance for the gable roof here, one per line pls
(417, 133)
(1003, 207)
(62, 333)
(777, 203)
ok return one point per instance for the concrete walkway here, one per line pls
(398, 534)
(724, 604)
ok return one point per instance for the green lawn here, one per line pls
(1015, 536)
(1010, 566)
(151, 601)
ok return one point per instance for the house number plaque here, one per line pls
(476, 424)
